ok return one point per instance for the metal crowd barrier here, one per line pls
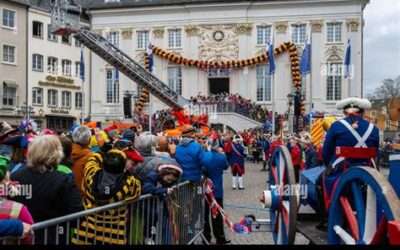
(179, 219)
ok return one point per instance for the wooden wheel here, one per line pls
(362, 204)
(282, 197)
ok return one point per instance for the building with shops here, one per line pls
(13, 60)
(56, 92)
(225, 31)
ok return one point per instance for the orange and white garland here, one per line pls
(237, 64)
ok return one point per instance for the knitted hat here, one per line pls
(128, 134)
(134, 155)
(5, 128)
(114, 161)
(170, 166)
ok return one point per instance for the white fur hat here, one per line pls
(353, 102)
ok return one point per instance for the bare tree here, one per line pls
(390, 88)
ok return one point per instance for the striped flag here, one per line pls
(317, 131)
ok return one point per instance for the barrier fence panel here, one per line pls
(178, 219)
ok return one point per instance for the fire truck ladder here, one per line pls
(133, 70)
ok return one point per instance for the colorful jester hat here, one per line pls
(4, 161)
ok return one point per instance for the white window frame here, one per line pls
(175, 41)
(35, 62)
(264, 39)
(50, 36)
(77, 69)
(52, 68)
(42, 30)
(112, 87)
(15, 19)
(142, 41)
(66, 99)
(113, 37)
(36, 95)
(52, 100)
(297, 35)
(6, 96)
(334, 32)
(337, 78)
(78, 100)
(265, 80)
(2, 54)
(66, 66)
(175, 78)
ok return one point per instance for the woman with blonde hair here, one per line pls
(52, 193)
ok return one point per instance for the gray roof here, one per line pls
(101, 4)
(23, 2)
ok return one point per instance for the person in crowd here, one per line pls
(190, 156)
(264, 142)
(214, 166)
(54, 194)
(106, 181)
(311, 158)
(14, 228)
(296, 154)
(277, 141)
(236, 156)
(10, 209)
(66, 162)
(80, 153)
(159, 180)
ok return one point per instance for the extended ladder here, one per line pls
(65, 17)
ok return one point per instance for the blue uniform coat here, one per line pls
(338, 135)
(214, 165)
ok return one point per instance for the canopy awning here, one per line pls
(10, 83)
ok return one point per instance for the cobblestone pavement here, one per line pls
(243, 202)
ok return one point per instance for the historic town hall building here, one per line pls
(229, 31)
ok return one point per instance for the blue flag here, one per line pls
(305, 61)
(271, 59)
(150, 57)
(347, 60)
(116, 76)
(82, 67)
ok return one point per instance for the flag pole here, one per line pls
(311, 82)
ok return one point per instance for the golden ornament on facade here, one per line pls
(316, 26)
(243, 28)
(281, 27)
(126, 33)
(158, 32)
(352, 25)
(192, 30)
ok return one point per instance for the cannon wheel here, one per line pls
(362, 204)
(283, 219)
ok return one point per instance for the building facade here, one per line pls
(232, 30)
(56, 91)
(13, 60)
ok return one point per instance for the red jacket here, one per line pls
(274, 145)
(295, 152)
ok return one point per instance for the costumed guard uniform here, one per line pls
(236, 157)
(343, 136)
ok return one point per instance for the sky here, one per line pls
(381, 42)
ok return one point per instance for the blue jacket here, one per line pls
(311, 157)
(214, 165)
(190, 155)
(151, 186)
(234, 158)
(338, 135)
(11, 227)
(264, 144)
